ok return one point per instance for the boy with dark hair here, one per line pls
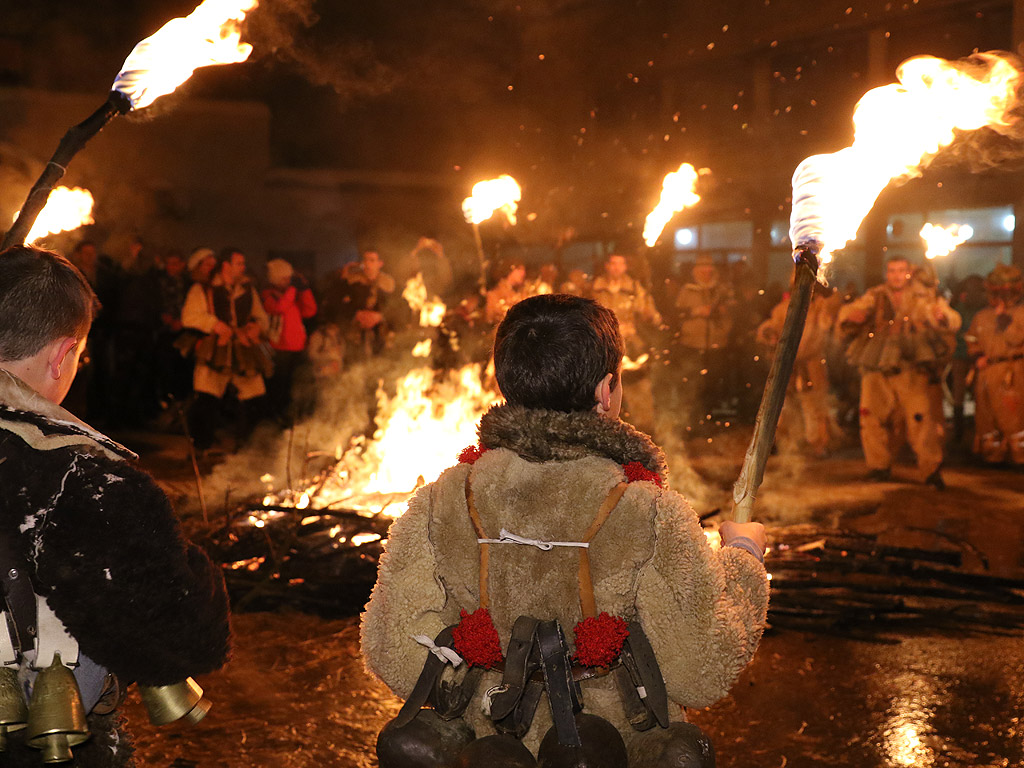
(550, 353)
(561, 512)
(95, 537)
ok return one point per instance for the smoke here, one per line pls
(343, 415)
(281, 29)
(997, 146)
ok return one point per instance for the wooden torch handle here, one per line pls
(752, 473)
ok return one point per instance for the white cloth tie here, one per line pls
(445, 654)
(507, 537)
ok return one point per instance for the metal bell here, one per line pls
(167, 703)
(602, 746)
(56, 717)
(13, 710)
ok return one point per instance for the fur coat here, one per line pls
(103, 546)
(544, 476)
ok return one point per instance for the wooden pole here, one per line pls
(116, 104)
(195, 463)
(746, 486)
(481, 257)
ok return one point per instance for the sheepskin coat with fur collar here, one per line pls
(103, 546)
(543, 476)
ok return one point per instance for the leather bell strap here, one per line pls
(563, 691)
(507, 537)
(52, 638)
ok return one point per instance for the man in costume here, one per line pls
(808, 385)
(562, 513)
(705, 306)
(93, 536)
(996, 341)
(229, 311)
(898, 334)
(634, 308)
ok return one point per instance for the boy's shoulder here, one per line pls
(633, 471)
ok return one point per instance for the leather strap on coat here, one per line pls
(585, 580)
(18, 596)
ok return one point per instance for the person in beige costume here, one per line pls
(705, 306)
(996, 341)
(898, 331)
(633, 306)
(809, 382)
(547, 460)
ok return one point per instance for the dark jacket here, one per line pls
(102, 545)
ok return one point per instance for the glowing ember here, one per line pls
(415, 294)
(677, 192)
(899, 128)
(629, 364)
(364, 538)
(500, 194)
(422, 349)
(942, 241)
(207, 36)
(67, 208)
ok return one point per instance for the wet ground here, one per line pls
(295, 693)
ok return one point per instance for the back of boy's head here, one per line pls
(43, 297)
(551, 351)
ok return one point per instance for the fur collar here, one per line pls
(45, 425)
(541, 435)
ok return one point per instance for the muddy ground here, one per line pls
(295, 692)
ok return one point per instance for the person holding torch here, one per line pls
(561, 515)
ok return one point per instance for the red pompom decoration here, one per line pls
(637, 471)
(476, 639)
(472, 453)
(599, 640)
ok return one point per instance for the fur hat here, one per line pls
(279, 271)
(198, 256)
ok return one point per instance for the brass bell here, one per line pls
(167, 703)
(56, 716)
(13, 710)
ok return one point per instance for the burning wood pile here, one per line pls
(322, 557)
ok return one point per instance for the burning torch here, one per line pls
(899, 129)
(157, 66)
(487, 198)
(678, 191)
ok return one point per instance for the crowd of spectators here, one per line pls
(196, 342)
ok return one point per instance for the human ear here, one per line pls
(60, 351)
(603, 394)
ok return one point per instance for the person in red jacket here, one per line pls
(288, 302)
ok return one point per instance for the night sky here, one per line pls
(587, 102)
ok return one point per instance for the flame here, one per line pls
(431, 312)
(420, 432)
(899, 129)
(163, 61)
(67, 208)
(500, 194)
(629, 364)
(677, 192)
(942, 241)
